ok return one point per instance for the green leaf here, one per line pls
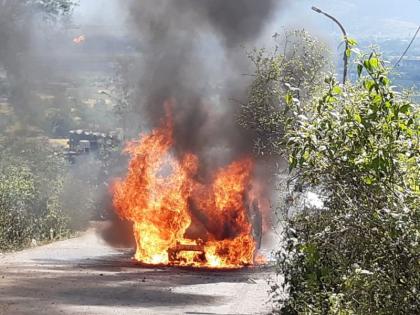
(336, 90)
(289, 98)
(357, 118)
(368, 180)
(359, 70)
(405, 108)
(367, 65)
(384, 80)
(351, 41)
(374, 63)
(330, 99)
(292, 163)
(368, 84)
(348, 52)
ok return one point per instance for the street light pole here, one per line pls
(408, 47)
(345, 58)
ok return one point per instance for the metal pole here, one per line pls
(345, 58)
(408, 47)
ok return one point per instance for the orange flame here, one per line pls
(79, 39)
(177, 219)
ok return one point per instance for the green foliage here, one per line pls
(14, 14)
(351, 47)
(358, 147)
(297, 61)
(53, 7)
(123, 97)
(16, 196)
(31, 183)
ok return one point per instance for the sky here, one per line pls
(362, 18)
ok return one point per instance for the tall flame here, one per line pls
(176, 218)
(79, 39)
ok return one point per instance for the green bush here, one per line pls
(358, 147)
(31, 183)
(299, 61)
(17, 195)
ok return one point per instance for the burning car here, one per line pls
(180, 219)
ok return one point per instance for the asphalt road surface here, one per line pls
(85, 276)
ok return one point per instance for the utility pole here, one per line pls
(345, 58)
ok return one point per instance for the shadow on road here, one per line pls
(106, 281)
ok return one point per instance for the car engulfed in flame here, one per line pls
(179, 219)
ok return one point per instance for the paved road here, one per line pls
(85, 276)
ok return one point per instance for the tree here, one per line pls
(14, 18)
(17, 24)
(358, 147)
(298, 61)
(122, 95)
(31, 184)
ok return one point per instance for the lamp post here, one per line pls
(408, 47)
(345, 58)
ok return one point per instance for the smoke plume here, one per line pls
(193, 52)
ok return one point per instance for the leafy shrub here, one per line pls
(31, 182)
(17, 195)
(299, 61)
(358, 147)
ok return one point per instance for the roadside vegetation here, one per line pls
(31, 183)
(38, 187)
(44, 197)
(357, 147)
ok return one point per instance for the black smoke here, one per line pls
(193, 51)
